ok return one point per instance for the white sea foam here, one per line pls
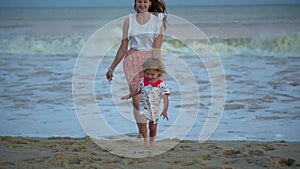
(278, 45)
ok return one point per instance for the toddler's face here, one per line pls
(152, 74)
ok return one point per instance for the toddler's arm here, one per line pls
(130, 95)
(166, 106)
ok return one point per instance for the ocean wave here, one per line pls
(42, 45)
(278, 45)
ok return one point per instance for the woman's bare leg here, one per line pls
(135, 103)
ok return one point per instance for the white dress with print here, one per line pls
(151, 98)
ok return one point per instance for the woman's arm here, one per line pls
(121, 51)
(158, 42)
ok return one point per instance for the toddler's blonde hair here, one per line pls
(154, 63)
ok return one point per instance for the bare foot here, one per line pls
(152, 145)
(147, 146)
(139, 136)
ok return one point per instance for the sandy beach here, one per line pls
(65, 152)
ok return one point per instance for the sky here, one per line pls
(128, 3)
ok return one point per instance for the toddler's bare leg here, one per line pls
(143, 127)
(152, 133)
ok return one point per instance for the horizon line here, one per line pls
(125, 6)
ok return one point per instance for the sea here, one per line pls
(258, 48)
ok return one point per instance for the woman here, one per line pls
(144, 31)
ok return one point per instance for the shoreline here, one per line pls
(67, 152)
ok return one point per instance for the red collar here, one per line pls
(154, 84)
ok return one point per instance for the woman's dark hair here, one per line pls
(157, 6)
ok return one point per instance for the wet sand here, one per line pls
(59, 152)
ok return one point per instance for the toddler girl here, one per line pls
(152, 88)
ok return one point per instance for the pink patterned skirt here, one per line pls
(132, 65)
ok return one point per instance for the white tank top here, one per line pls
(142, 37)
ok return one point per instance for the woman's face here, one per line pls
(142, 5)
